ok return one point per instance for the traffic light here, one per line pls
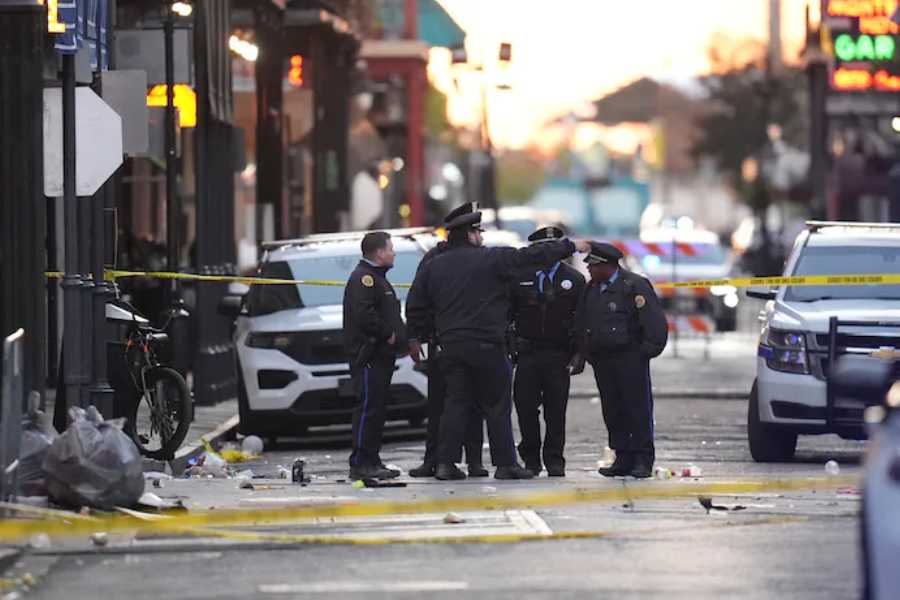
(295, 73)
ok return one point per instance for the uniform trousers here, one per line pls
(372, 384)
(478, 376)
(437, 393)
(623, 379)
(542, 380)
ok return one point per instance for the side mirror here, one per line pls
(761, 294)
(231, 306)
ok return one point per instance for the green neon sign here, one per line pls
(865, 47)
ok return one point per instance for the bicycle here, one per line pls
(161, 413)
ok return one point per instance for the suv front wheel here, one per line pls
(767, 443)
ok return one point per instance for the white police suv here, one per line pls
(806, 328)
(293, 370)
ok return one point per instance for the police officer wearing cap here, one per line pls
(543, 321)
(373, 333)
(437, 387)
(621, 326)
(465, 291)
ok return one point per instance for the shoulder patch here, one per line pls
(367, 280)
(640, 301)
(566, 284)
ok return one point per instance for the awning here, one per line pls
(438, 28)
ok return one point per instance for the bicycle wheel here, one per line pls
(160, 418)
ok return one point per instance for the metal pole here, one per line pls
(73, 377)
(171, 166)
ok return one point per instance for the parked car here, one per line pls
(698, 255)
(293, 370)
(805, 329)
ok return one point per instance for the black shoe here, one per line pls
(372, 472)
(426, 469)
(556, 471)
(385, 472)
(642, 468)
(448, 472)
(513, 471)
(620, 467)
(477, 470)
(534, 468)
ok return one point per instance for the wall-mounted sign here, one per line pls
(53, 23)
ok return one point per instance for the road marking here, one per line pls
(330, 587)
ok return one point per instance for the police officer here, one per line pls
(543, 321)
(622, 326)
(465, 289)
(437, 387)
(373, 331)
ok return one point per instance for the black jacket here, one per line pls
(465, 289)
(626, 316)
(423, 328)
(546, 319)
(371, 312)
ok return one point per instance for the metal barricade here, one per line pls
(11, 400)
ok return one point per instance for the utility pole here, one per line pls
(171, 164)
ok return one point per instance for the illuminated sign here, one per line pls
(53, 23)
(865, 47)
(864, 42)
(185, 101)
(295, 73)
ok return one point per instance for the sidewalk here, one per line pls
(726, 371)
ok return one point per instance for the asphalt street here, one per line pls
(799, 544)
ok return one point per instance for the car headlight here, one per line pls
(784, 351)
(272, 341)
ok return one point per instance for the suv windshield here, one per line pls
(846, 260)
(265, 299)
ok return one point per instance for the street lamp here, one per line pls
(488, 195)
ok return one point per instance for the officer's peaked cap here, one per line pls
(602, 253)
(547, 234)
(463, 216)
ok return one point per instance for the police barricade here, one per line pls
(693, 326)
(11, 400)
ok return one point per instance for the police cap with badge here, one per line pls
(547, 234)
(466, 215)
(603, 253)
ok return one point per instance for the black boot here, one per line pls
(448, 472)
(620, 467)
(477, 470)
(426, 469)
(643, 467)
(513, 471)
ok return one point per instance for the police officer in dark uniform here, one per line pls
(437, 387)
(465, 291)
(621, 327)
(373, 332)
(543, 321)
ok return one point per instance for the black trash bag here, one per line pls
(93, 463)
(37, 437)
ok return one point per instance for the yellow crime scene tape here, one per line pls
(12, 530)
(739, 282)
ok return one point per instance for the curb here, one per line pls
(195, 448)
(716, 394)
